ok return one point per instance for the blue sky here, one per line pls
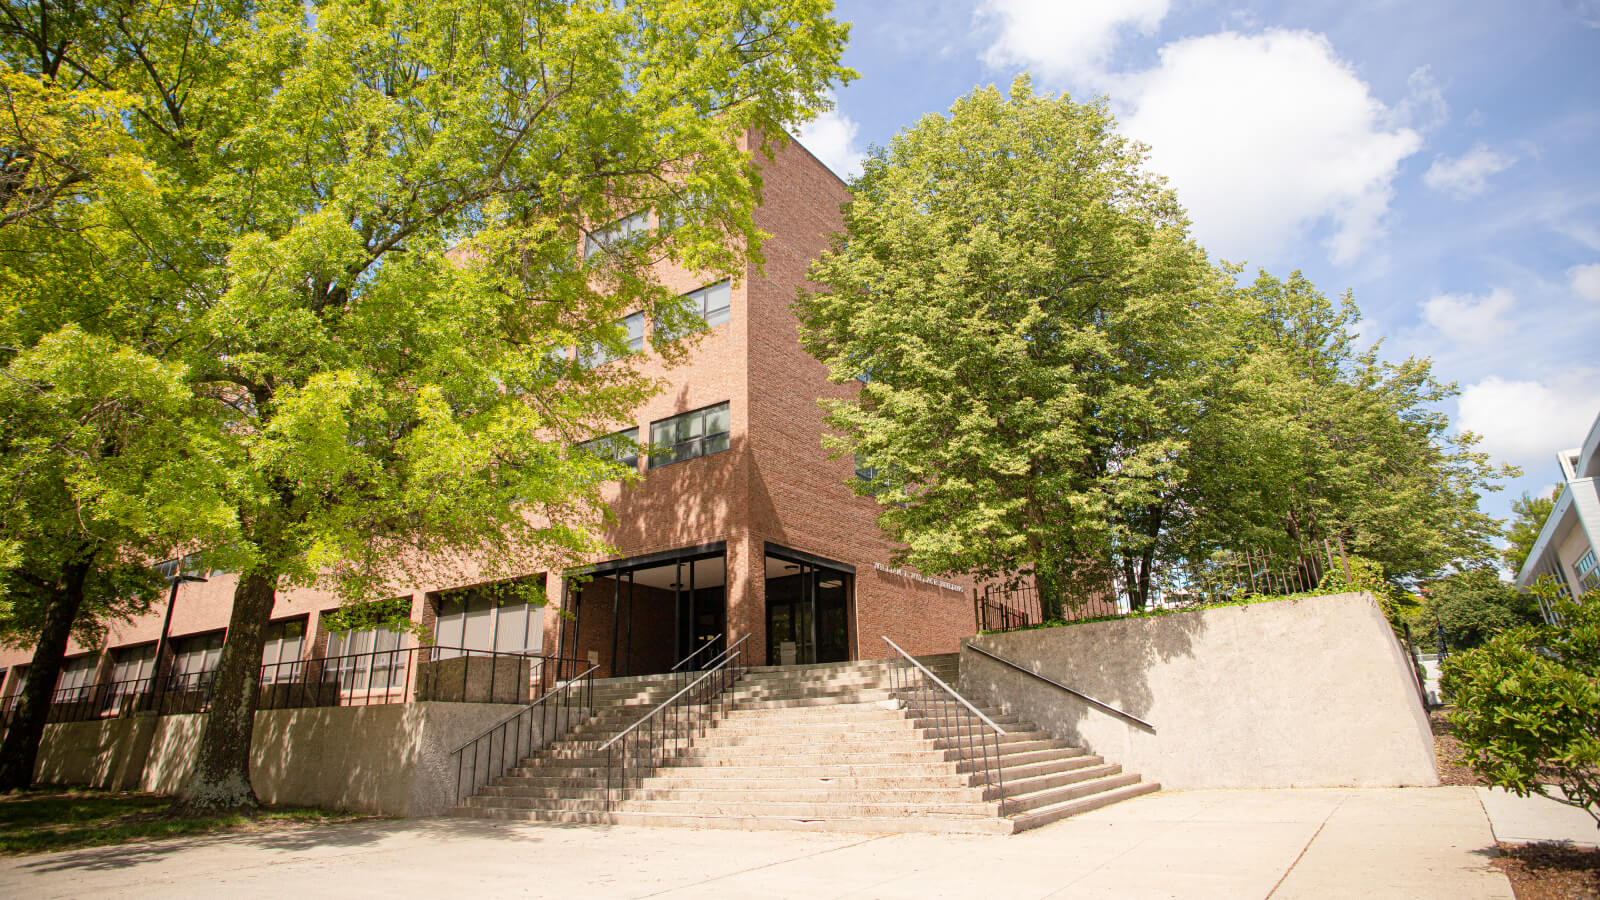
(1437, 159)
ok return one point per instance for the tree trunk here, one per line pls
(21, 747)
(221, 779)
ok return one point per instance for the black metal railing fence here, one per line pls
(1222, 577)
(379, 677)
(492, 753)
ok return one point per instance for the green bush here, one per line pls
(1528, 707)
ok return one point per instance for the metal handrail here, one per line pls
(1056, 684)
(504, 728)
(710, 687)
(960, 735)
(947, 688)
(663, 704)
(703, 648)
(542, 697)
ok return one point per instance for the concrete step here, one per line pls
(747, 823)
(1022, 787)
(740, 807)
(1044, 815)
(724, 796)
(1021, 803)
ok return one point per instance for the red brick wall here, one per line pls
(775, 483)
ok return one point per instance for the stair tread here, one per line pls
(830, 747)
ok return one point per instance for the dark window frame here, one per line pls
(719, 441)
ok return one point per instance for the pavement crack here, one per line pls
(1309, 841)
(766, 865)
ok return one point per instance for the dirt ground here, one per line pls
(1537, 871)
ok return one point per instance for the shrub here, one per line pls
(1528, 707)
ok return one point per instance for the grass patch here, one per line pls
(46, 820)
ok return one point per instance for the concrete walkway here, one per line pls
(1427, 842)
(1528, 820)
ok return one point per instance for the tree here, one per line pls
(1474, 605)
(1528, 705)
(1528, 515)
(369, 240)
(88, 429)
(1326, 446)
(1038, 337)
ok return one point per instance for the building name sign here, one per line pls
(914, 576)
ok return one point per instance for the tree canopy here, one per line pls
(1528, 515)
(351, 232)
(1059, 384)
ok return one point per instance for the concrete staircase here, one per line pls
(818, 748)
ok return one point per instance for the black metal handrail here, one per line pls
(1056, 684)
(376, 677)
(680, 674)
(553, 708)
(963, 727)
(639, 750)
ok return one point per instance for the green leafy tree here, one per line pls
(368, 265)
(1527, 705)
(1474, 605)
(1324, 450)
(1037, 331)
(90, 438)
(1528, 515)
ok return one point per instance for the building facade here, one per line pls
(1568, 547)
(740, 525)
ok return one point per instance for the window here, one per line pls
(596, 354)
(669, 222)
(1588, 569)
(864, 471)
(710, 303)
(131, 670)
(690, 435)
(621, 447)
(617, 232)
(368, 658)
(77, 678)
(188, 564)
(280, 655)
(475, 619)
(634, 325)
(194, 661)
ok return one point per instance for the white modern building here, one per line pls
(1569, 544)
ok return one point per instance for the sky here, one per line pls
(1438, 159)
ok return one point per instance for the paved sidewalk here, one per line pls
(1423, 842)
(1527, 820)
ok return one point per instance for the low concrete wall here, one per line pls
(1314, 692)
(391, 760)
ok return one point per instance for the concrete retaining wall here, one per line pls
(391, 760)
(1314, 692)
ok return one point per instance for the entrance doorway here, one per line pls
(808, 609)
(640, 616)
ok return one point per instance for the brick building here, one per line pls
(739, 526)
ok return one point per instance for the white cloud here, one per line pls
(1469, 319)
(1586, 281)
(1265, 136)
(831, 137)
(1424, 107)
(1467, 175)
(1058, 39)
(1525, 422)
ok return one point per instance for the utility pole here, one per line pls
(176, 578)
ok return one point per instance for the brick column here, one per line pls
(747, 598)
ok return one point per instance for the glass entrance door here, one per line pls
(808, 613)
